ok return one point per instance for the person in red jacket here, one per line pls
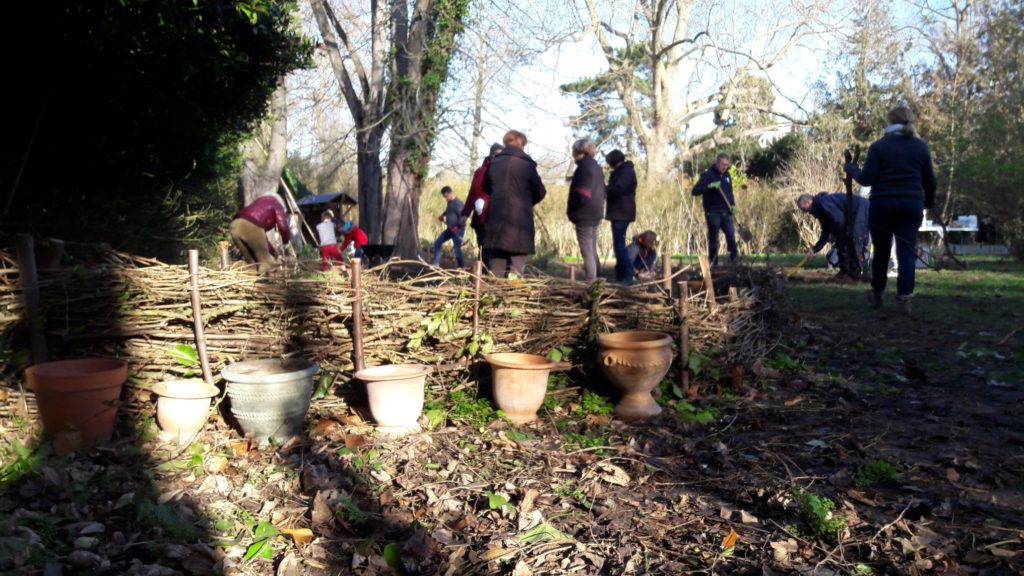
(476, 204)
(354, 235)
(249, 231)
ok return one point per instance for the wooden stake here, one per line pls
(709, 284)
(684, 341)
(478, 273)
(666, 270)
(357, 316)
(197, 315)
(225, 255)
(29, 281)
(572, 272)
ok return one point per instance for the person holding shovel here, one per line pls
(715, 186)
(828, 210)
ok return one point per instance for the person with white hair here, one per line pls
(586, 203)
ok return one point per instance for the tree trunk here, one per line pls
(401, 222)
(266, 151)
(369, 174)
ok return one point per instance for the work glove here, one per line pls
(851, 168)
(455, 229)
(440, 218)
(478, 206)
(714, 185)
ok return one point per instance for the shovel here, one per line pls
(743, 230)
(798, 266)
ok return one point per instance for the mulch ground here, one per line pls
(872, 444)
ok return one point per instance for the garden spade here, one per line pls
(743, 230)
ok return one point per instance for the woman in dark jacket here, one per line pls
(621, 193)
(902, 178)
(586, 203)
(513, 187)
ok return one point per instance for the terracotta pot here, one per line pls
(270, 398)
(183, 407)
(77, 398)
(520, 383)
(635, 362)
(395, 393)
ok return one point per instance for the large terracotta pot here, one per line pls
(635, 362)
(77, 399)
(395, 393)
(270, 398)
(183, 407)
(520, 383)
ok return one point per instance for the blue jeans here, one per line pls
(718, 220)
(897, 218)
(623, 271)
(456, 239)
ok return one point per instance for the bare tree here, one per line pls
(672, 61)
(265, 153)
(363, 86)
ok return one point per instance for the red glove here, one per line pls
(455, 229)
(440, 218)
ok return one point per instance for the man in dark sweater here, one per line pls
(715, 186)
(454, 227)
(830, 211)
(621, 210)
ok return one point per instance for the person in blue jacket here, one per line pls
(715, 186)
(830, 211)
(621, 210)
(900, 172)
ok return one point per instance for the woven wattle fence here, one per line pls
(139, 310)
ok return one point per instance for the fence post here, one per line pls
(478, 271)
(684, 341)
(709, 284)
(666, 271)
(197, 315)
(29, 281)
(357, 315)
(225, 255)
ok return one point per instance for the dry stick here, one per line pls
(684, 341)
(709, 285)
(225, 257)
(357, 317)
(29, 282)
(197, 315)
(478, 271)
(572, 273)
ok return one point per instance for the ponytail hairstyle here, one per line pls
(901, 115)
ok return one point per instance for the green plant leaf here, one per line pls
(555, 355)
(542, 533)
(393, 556)
(184, 354)
(496, 501)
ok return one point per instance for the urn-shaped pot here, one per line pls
(182, 407)
(270, 398)
(635, 361)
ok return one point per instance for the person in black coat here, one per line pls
(513, 187)
(900, 172)
(830, 211)
(715, 186)
(621, 210)
(586, 203)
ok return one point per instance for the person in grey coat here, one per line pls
(513, 186)
(586, 203)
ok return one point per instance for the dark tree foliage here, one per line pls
(128, 114)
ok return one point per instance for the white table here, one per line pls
(951, 228)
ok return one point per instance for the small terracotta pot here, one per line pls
(520, 383)
(183, 407)
(77, 399)
(395, 393)
(635, 362)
